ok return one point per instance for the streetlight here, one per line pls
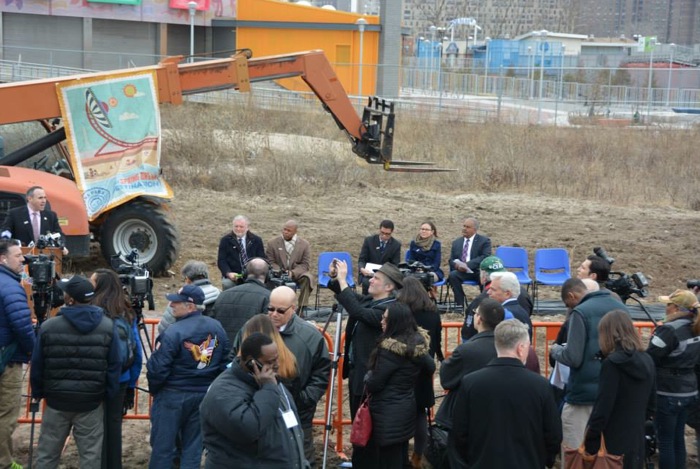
(432, 55)
(543, 36)
(670, 71)
(529, 71)
(192, 6)
(361, 23)
(560, 94)
(652, 44)
(486, 64)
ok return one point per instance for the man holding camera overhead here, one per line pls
(32, 221)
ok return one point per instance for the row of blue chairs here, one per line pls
(552, 268)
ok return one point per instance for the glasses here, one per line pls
(426, 229)
(272, 309)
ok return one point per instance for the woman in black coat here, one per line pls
(626, 393)
(427, 317)
(401, 355)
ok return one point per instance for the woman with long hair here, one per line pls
(287, 361)
(426, 315)
(427, 250)
(110, 296)
(626, 391)
(402, 353)
(675, 355)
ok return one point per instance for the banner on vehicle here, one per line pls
(113, 134)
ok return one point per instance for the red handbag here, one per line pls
(362, 425)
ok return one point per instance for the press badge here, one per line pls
(290, 420)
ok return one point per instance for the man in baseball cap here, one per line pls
(488, 266)
(187, 294)
(77, 289)
(189, 355)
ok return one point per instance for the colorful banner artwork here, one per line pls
(113, 134)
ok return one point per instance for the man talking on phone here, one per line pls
(248, 419)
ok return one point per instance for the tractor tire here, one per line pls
(142, 226)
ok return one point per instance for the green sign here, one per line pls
(118, 2)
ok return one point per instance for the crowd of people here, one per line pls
(236, 373)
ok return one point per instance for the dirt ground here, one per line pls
(660, 242)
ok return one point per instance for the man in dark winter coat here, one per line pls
(364, 321)
(236, 305)
(248, 419)
(313, 362)
(468, 357)
(235, 249)
(505, 415)
(75, 366)
(16, 332)
(189, 355)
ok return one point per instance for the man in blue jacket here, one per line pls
(75, 366)
(189, 355)
(16, 333)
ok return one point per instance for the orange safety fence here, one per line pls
(542, 333)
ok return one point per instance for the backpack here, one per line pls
(127, 342)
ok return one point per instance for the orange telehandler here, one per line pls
(141, 222)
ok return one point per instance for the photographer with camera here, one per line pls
(596, 268)
(292, 255)
(31, 222)
(364, 322)
(110, 296)
(16, 342)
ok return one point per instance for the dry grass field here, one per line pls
(632, 190)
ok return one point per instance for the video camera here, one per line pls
(45, 293)
(280, 278)
(419, 271)
(136, 280)
(695, 283)
(621, 283)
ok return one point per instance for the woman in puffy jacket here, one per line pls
(626, 394)
(427, 250)
(402, 354)
(675, 349)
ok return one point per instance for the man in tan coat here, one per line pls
(291, 254)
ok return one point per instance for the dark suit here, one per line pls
(489, 416)
(19, 224)
(479, 249)
(371, 253)
(229, 257)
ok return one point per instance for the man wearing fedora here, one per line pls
(75, 367)
(364, 320)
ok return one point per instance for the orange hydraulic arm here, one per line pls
(371, 136)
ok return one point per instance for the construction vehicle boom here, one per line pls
(141, 223)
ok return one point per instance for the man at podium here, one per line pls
(32, 221)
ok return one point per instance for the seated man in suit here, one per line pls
(465, 257)
(379, 249)
(235, 249)
(292, 255)
(28, 223)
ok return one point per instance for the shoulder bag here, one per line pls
(362, 425)
(580, 459)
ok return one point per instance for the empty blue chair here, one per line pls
(324, 260)
(552, 268)
(515, 260)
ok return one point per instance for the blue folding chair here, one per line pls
(515, 260)
(552, 268)
(324, 260)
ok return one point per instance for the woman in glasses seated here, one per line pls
(426, 249)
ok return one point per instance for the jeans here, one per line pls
(671, 414)
(176, 412)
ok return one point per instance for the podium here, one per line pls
(54, 254)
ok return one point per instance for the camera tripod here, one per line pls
(141, 326)
(334, 373)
